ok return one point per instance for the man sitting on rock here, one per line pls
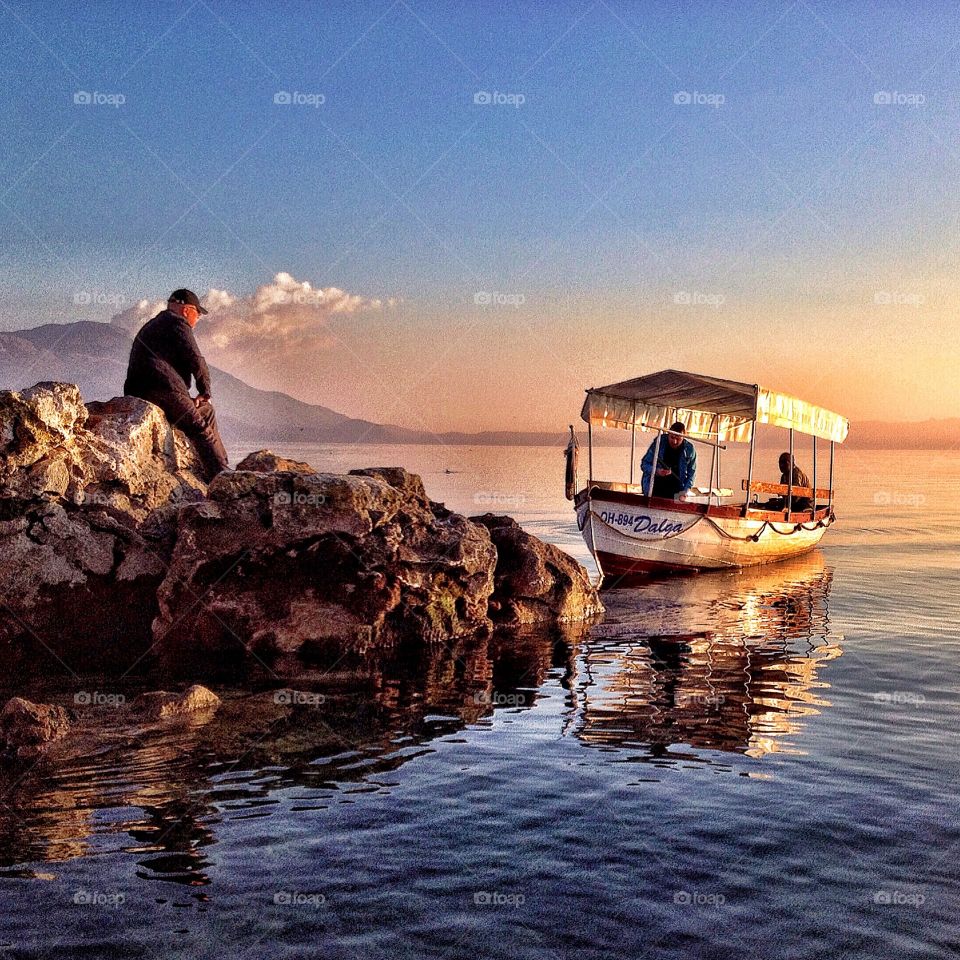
(163, 358)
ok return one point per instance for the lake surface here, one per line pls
(759, 764)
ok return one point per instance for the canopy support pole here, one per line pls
(713, 460)
(813, 501)
(753, 438)
(830, 499)
(790, 478)
(656, 461)
(633, 441)
(589, 454)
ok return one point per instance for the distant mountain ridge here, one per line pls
(94, 356)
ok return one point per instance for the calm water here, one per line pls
(759, 764)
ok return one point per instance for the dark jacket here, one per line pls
(800, 479)
(164, 357)
(686, 463)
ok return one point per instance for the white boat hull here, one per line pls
(635, 534)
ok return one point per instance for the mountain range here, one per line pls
(94, 356)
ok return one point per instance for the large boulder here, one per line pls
(79, 564)
(288, 563)
(536, 581)
(111, 547)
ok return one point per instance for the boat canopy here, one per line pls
(708, 407)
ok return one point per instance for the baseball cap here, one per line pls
(187, 297)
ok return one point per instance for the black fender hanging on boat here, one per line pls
(570, 479)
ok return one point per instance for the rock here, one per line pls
(536, 581)
(288, 563)
(112, 548)
(27, 728)
(79, 564)
(266, 461)
(197, 701)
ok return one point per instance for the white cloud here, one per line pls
(277, 316)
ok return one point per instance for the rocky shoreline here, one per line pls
(112, 551)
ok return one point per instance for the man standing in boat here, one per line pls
(676, 463)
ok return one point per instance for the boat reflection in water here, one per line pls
(727, 661)
(721, 662)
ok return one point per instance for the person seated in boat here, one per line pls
(789, 473)
(676, 464)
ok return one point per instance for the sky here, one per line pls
(461, 215)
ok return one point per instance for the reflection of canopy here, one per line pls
(660, 398)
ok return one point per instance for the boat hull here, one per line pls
(631, 534)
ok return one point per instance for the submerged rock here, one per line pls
(27, 728)
(195, 702)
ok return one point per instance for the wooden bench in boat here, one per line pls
(781, 489)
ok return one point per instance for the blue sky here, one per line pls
(782, 200)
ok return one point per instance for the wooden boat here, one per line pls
(629, 531)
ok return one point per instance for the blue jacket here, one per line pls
(686, 468)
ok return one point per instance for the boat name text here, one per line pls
(641, 522)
